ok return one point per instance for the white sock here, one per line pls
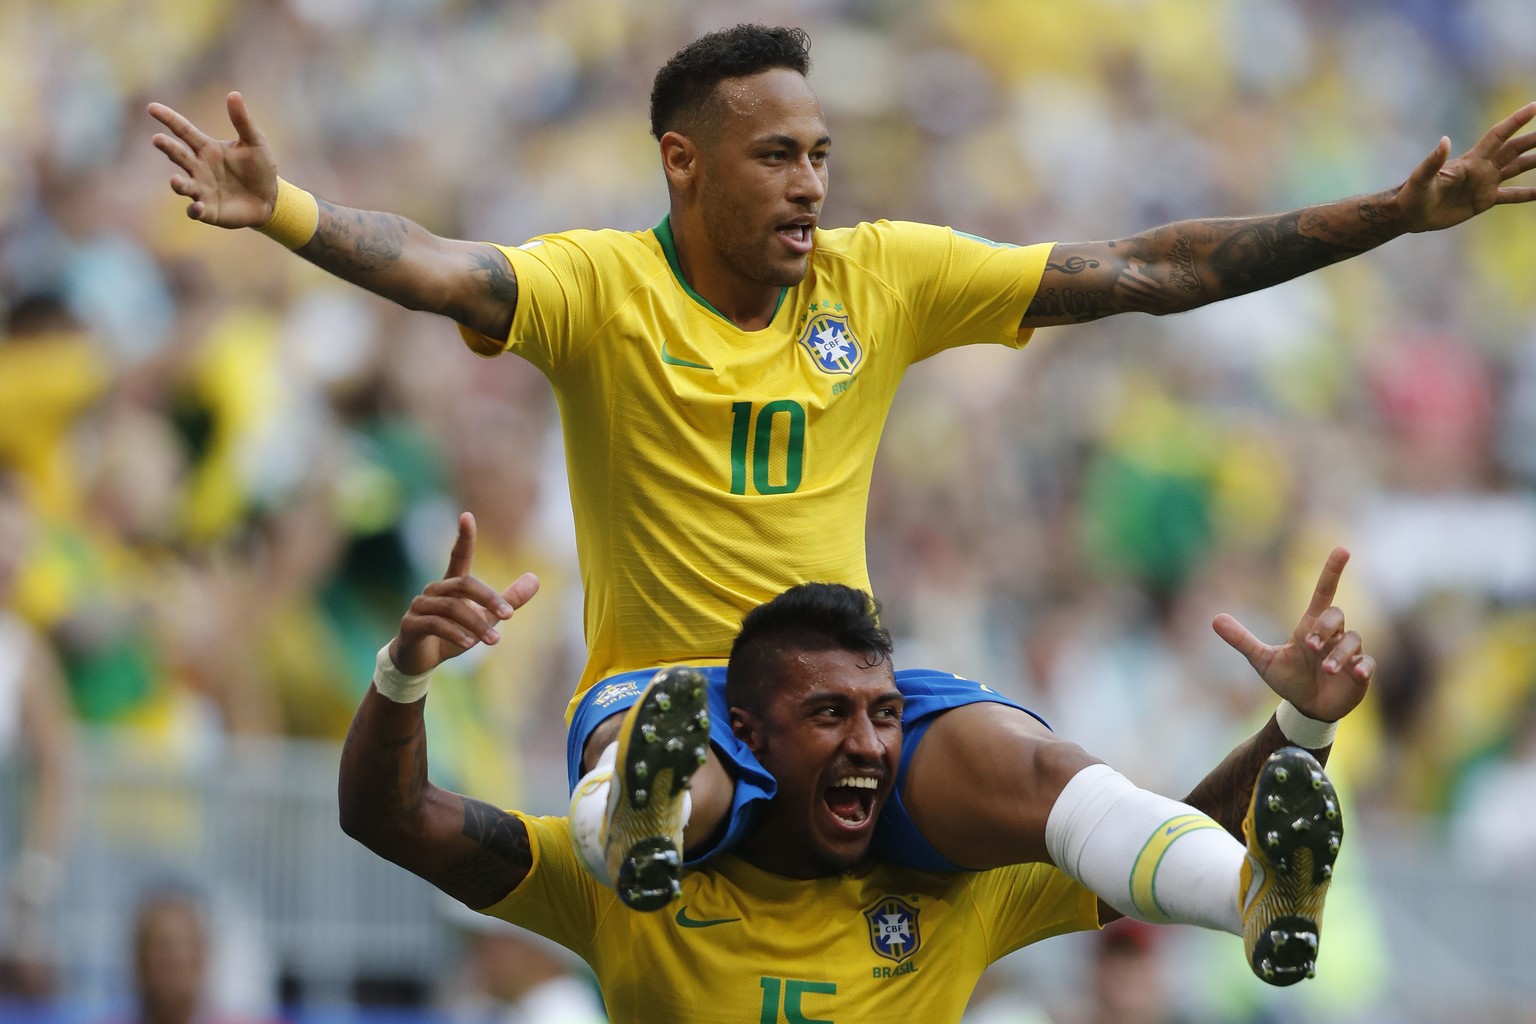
(590, 811)
(1149, 857)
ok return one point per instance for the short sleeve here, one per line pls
(568, 284)
(558, 899)
(961, 289)
(1026, 903)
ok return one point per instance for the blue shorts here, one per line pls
(928, 694)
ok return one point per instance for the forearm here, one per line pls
(397, 259)
(470, 850)
(1202, 261)
(1225, 793)
(383, 781)
(1191, 263)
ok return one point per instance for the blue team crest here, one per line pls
(831, 343)
(893, 928)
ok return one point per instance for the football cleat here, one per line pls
(663, 740)
(1294, 830)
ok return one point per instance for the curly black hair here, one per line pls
(685, 83)
(806, 617)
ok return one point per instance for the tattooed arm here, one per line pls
(233, 184)
(1190, 263)
(469, 849)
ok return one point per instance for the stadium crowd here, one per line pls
(231, 471)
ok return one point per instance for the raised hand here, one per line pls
(1322, 669)
(1441, 192)
(456, 612)
(232, 183)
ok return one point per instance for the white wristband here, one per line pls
(396, 685)
(1303, 731)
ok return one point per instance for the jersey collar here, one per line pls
(663, 233)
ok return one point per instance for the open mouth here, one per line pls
(852, 799)
(796, 236)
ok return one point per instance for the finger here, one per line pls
(1514, 147)
(468, 588)
(467, 614)
(463, 548)
(520, 592)
(240, 117)
(1518, 167)
(1328, 582)
(1524, 194)
(1240, 638)
(177, 151)
(1504, 130)
(1343, 652)
(1430, 166)
(1364, 668)
(1325, 629)
(183, 129)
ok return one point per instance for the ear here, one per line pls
(679, 160)
(748, 728)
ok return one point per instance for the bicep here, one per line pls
(480, 286)
(471, 850)
(1083, 281)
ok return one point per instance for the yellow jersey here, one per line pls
(711, 468)
(743, 946)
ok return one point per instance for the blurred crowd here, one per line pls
(223, 474)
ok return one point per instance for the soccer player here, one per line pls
(798, 921)
(723, 379)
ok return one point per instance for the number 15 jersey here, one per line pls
(711, 468)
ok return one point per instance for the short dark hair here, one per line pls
(806, 617)
(685, 84)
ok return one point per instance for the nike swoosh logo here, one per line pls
(689, 922)
(672, 360)
(1171, 829)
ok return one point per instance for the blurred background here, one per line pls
(223, 475)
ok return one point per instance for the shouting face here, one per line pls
(830, 733)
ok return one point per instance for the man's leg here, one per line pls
(710, 797)
(989, 785)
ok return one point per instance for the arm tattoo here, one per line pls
(498, 276)
(1072, 265)
(408, 774)
(352, 242)
(504, 859)
(1082, 306)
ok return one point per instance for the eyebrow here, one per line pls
(791, 142)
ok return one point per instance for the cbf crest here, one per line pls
(831, 343)
(893, 931)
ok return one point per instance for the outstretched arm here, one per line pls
(472, 851)
(233, 184)
(1191, 263)
(1321, 670)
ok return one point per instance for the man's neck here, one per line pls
(747, 304)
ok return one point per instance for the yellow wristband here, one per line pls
(295, 216)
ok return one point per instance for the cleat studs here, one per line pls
(1333, 844)
(1317, 780)
(1267, 968)
(641, 797)
(664, 702)
(1275, 803)
(1272, 839)
(1310, 968)
(1301, 825)
(673, 745)
(701, 720)
(648, 733)
(642, 770)
(1327, 872)
(701, 756)
(1281, 775)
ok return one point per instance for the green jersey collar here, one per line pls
(663, 232)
